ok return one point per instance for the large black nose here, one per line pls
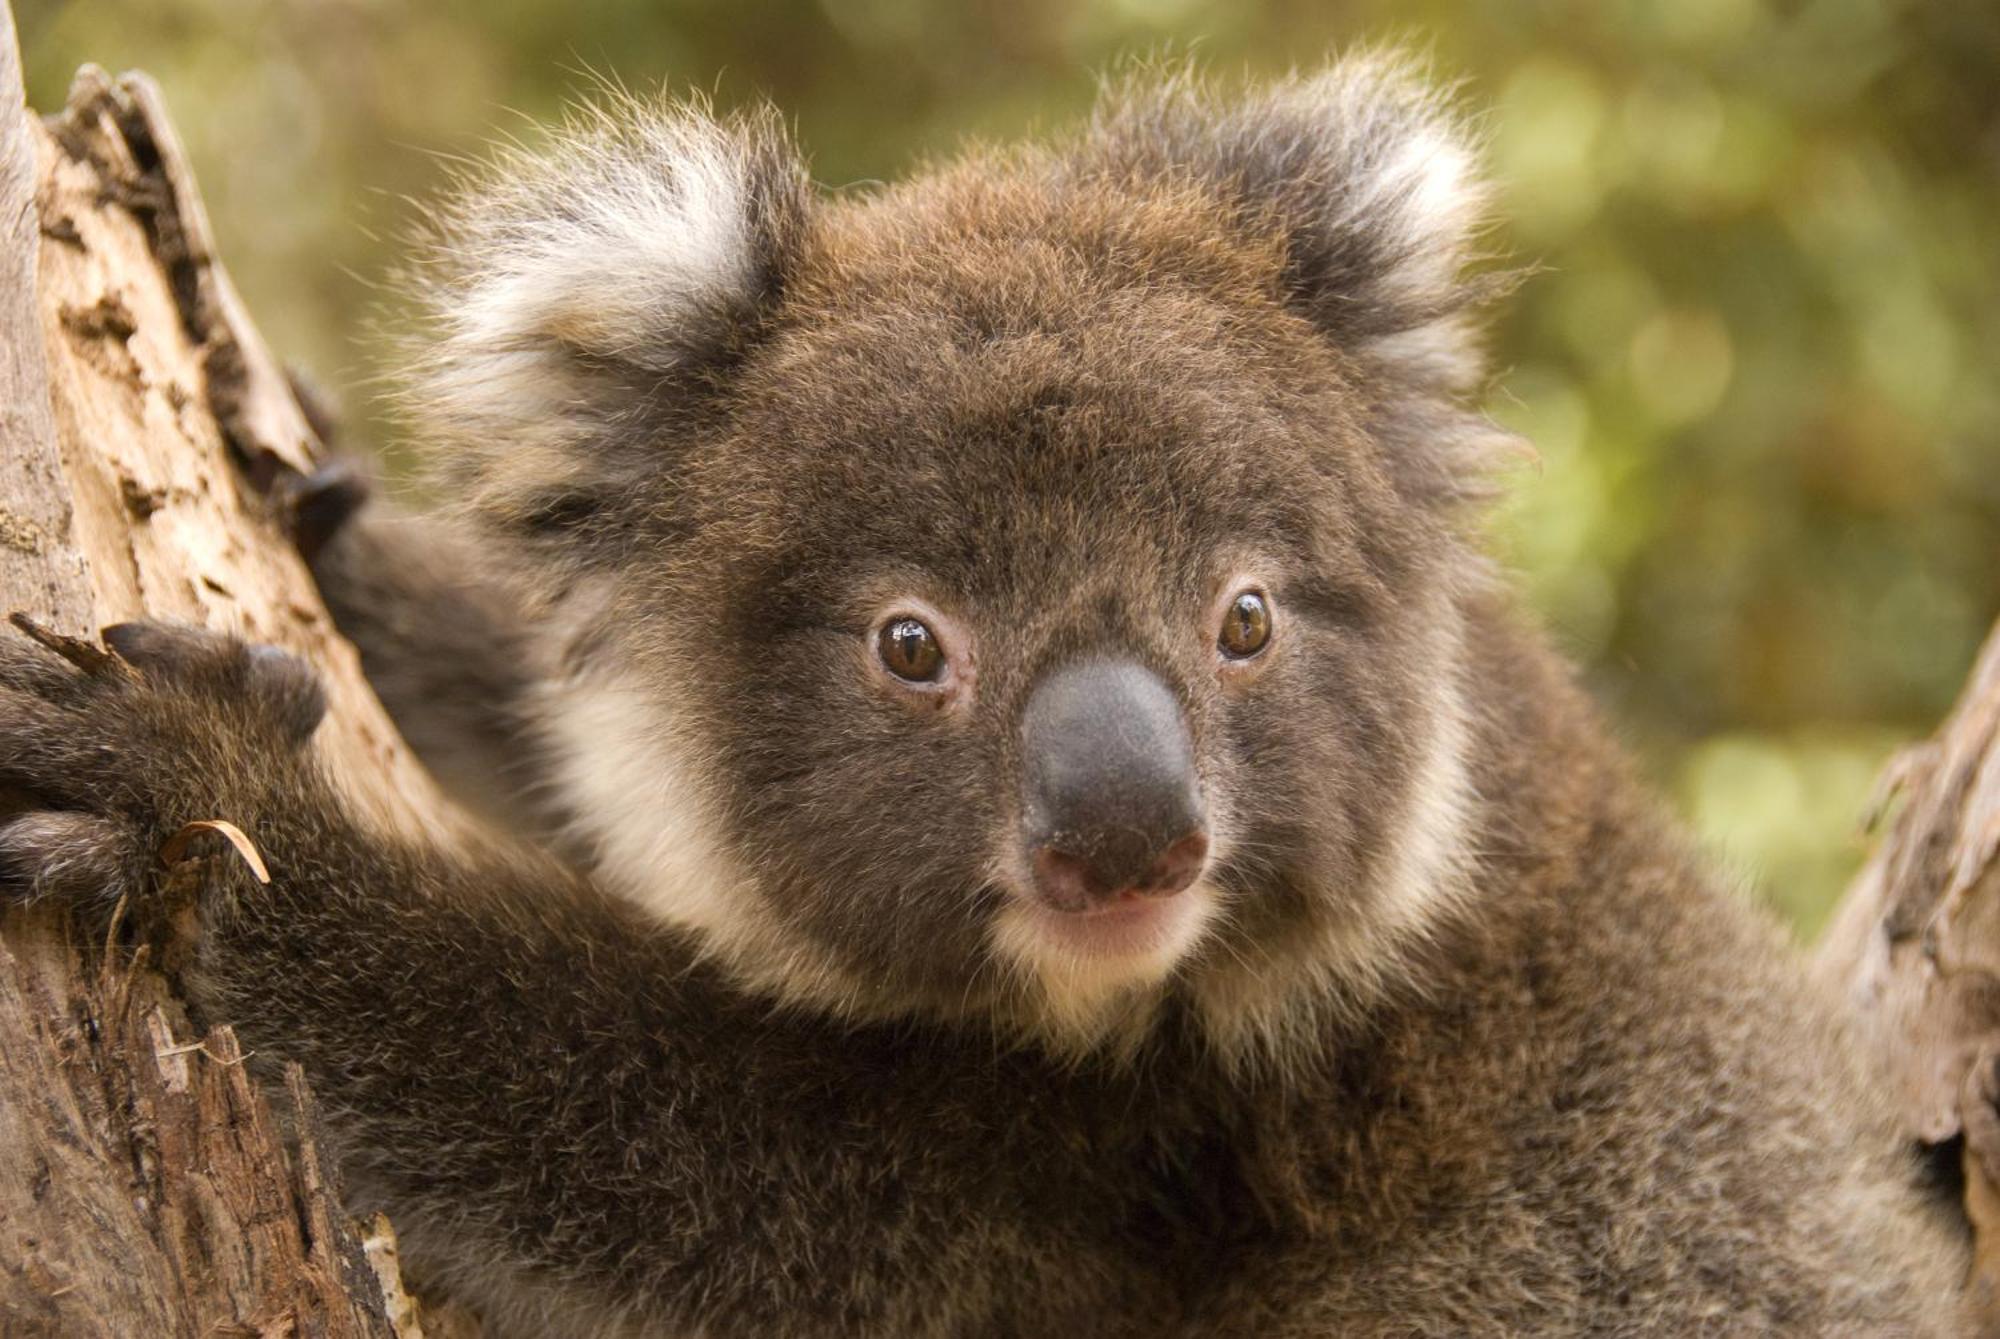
(1112, 804)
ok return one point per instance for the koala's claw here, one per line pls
(86, 656)
(284, 686)
(277, 685)
(321, 504)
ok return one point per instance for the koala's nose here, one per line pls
(1111, 801)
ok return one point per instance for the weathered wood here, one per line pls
(39, 569)
(147, 1189)
(170, 416)
(1916, 948)
(146, 1185)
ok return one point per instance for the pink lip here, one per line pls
(1128, 924)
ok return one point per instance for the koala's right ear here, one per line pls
(1369, 180)
(1363, 167)
(575, 294)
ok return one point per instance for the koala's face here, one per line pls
(1034, 618)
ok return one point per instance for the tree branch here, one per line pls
(1915, 946)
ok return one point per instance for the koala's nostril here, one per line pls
(1179, 867)
(1064, 880)
(1071, 882)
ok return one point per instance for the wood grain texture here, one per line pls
(1916, 948)
(147, 1186)
(40, 570)
(148, 359)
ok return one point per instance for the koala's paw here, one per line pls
(319, 505)
(109, 755)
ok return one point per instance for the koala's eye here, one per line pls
(1246, 626)
(910, 650)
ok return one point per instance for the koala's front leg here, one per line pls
(112, 758)
(444, 642)
(434, 1002)
(552, 1097)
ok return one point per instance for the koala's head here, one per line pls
(1029, 592)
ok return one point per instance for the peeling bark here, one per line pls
(1916, 948)
(147, 1186)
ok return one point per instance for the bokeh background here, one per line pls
(1760, 360)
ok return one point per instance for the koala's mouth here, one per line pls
(1133, 935)
(1119, 928)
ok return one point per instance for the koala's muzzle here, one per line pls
(1111, 802)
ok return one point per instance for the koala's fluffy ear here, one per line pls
(1371, 181)
(574, 293)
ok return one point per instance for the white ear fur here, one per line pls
(1369, 180)
(1397, 167)
(1366, 169)
(1405, 191)
(565, 282)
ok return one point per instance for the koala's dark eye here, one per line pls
(1246, 626)
(910, 650)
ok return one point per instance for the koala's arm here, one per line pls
(559, 1103)
(443, 642)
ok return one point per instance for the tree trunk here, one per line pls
(146, 1186)
(1916, 947)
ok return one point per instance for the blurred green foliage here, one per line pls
(1758, 359)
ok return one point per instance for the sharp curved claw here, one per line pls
(322, 504)
(85, 655)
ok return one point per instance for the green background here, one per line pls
(1758, 359)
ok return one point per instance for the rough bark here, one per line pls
(1916, 947)
(147, 1186)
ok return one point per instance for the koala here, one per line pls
(1016, 805)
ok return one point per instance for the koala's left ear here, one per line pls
(1372, 182)
(576, 296)
(1365, 169)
